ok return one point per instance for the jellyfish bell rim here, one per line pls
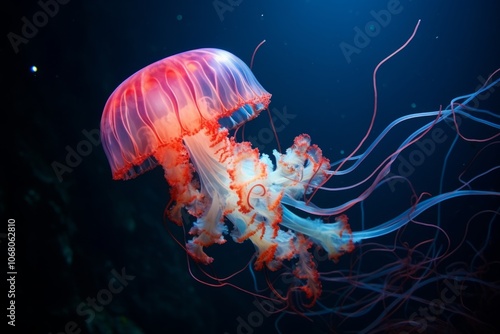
(229, 82)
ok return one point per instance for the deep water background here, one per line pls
(73, 233)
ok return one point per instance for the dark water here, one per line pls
(92, 255)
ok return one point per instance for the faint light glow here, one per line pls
(261, 17)
(222, 57)
(179, 17)
(33, 69)
(342, 152)
(437, 37)
(413, 105)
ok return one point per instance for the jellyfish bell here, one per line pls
(192, 92)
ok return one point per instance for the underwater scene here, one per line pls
(237, 166)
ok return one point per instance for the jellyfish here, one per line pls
(179, 113)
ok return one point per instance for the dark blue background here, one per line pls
(71, 234)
